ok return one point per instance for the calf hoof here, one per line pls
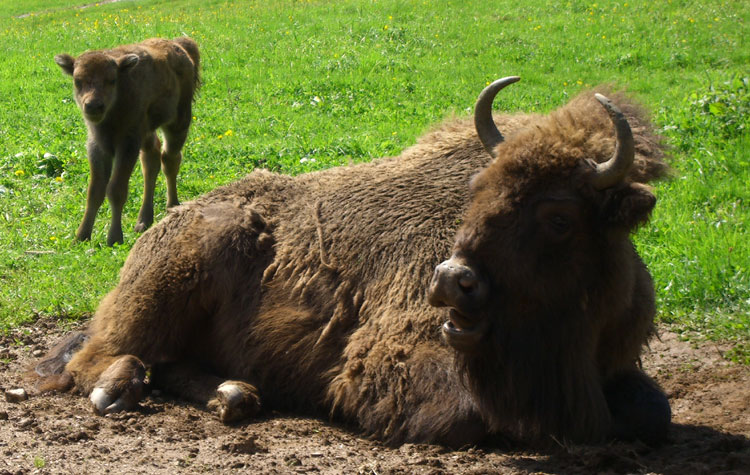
(235, 400)
(639, 408)
(141, 226)
(119, 387)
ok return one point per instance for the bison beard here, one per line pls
(320, 292)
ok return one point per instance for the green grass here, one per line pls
(349, 81)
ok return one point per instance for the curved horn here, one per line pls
(486, 129)
(614, 170)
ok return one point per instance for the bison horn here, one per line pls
(614, 170)
(486, 129)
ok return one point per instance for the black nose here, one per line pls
(455, 284)
(93, 108)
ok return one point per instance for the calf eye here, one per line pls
(77, 83)
(111, 82)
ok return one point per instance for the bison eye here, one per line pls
(558, 217)
(111, 82)
(77, 83)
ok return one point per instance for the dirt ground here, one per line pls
(60, 434)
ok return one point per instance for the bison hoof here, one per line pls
(235, 400)
(120, 387)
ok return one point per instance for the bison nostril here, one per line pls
(467, 283)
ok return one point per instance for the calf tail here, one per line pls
(191, 47)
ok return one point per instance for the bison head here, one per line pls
(547, 297)
(544, 225)
(95, 77)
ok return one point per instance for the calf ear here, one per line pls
(629, 206)
(128, 61)
(65, 61)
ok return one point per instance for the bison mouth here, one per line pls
(462, 333)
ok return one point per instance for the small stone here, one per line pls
(16, 395)
(25, 422)
(37, 353)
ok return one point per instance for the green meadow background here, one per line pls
(295, 86)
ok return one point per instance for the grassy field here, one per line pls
(295, 86)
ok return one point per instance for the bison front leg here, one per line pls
(231, 400)
(639, 408)
(418, 400)
(100, 168)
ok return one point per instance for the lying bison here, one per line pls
(125, 94)
(320, 292)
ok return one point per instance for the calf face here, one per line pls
(95, 80)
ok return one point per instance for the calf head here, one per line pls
(95, 77)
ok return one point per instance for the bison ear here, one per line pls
(65, 61)
(629, 206)
(128, 61)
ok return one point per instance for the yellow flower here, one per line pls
(228, 133)
(53, 238)
(59, 179)
(20, 173)
(385, 27)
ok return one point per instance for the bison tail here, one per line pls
(191, 47)
(50, 371)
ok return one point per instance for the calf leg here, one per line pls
(231, 400)
(100, 166)
(150, 158)
(117, 189)
(174, 139)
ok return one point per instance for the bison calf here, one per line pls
(125, 94)
(323, 291)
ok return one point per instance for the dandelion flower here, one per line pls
(20, 173)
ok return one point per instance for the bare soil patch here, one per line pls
(710, 400)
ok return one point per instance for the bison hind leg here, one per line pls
(231, 400)
(120, 387)
(639, 408)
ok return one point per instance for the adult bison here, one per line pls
(125, 94)
(320, 292)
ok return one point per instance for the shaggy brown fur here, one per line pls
(311, 290)
(125, 94)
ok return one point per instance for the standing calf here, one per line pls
(125, 94)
